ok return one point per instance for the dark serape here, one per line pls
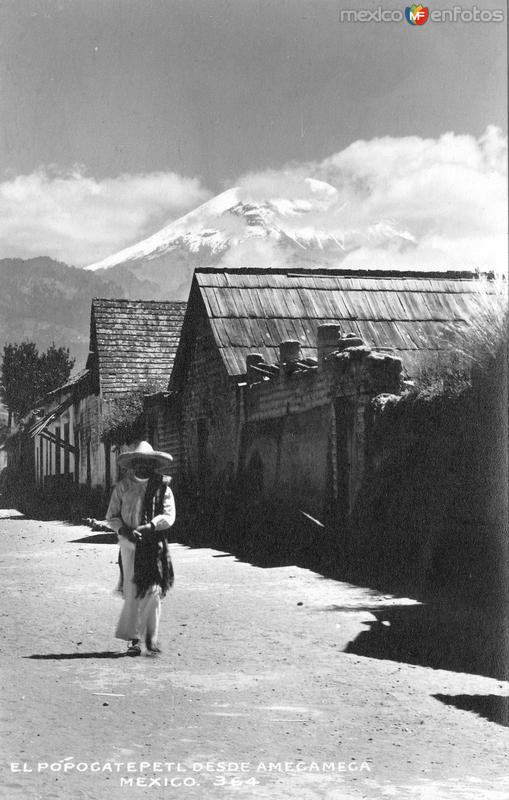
(152, 561)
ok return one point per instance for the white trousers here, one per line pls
(140, 616)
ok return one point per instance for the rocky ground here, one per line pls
(274, 683)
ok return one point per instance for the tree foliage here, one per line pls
(466, 352)
(4, 432)
(123, 418)
(28, 375)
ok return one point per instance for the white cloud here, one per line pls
(77, 219)
(254, 252)
(396, 202)
(447, 196)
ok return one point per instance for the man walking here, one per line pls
(141, 511)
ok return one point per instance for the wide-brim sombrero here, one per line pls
(144, 450)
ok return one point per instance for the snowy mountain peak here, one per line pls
(232, 216)
(308, 223)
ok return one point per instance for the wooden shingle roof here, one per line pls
(133, 342)
(407, 313)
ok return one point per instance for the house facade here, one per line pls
(276, 370)
(132, 348)
(55, 435)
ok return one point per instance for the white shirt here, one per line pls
(126, 505)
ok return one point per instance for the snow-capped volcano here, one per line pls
(238, 228)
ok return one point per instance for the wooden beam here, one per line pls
(51, 437)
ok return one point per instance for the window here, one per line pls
(57, 452)
(66, 449)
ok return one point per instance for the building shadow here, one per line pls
(362, 607)
(438, 635)
(69, 656)
(448, 628)
(275, 550)
(492, 707)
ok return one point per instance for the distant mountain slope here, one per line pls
(307, 230)
(45, 301)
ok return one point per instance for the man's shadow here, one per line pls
(98, 538)
(68, 656)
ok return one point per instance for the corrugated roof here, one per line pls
(408, 313)
(135, 342)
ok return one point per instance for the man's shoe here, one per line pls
(151, 647)
(134, 648)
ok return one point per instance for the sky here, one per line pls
(117, 116)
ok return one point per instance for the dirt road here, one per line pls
(254, 695)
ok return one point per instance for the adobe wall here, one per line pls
(162, 430)
(209, 421)
(294, 450)
(304, 434)
(87, 419)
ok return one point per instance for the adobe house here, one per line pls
(54, 434)
(132, 347)
(276, 369)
